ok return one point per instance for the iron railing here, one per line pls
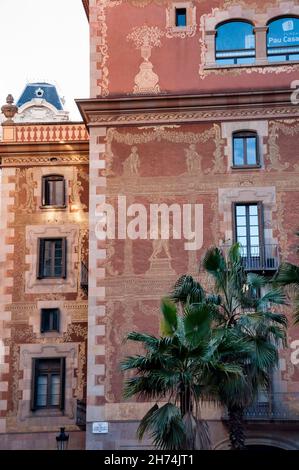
(273, 407)
(259, 257)
(84, 277)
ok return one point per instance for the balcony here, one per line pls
(276, 407)
(279, 407)
(84, 278)
(81, 414)
(258, 258)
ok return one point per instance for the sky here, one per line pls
(44, 40)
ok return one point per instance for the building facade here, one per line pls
(44, 253)
(191, 102)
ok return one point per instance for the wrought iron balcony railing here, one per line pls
(274, 407)
(259, 257)
(84, 277)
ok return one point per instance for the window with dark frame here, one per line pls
(48, 383)
(52, 258)
(53, 187)
(283, 39)
(248, 220)
(235, 43)
(49, 319)
(180, 17)
(245, 149)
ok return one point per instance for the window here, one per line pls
(235, 43)
(283, 39)
(49, 319)
(249, 233)
(53, 187)
(48, 383)
(180, 17)
(245, 149)
(52, 258)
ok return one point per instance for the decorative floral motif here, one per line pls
(145, 38)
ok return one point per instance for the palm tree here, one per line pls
(177, 369)
(288, 275)
(239, 308)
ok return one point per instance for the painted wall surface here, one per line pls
(22, 296)
(136, 52)
(136, 49)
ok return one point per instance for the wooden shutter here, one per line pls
(64, 193)
(57, 320)
(43, 321)
(34, 383)
(62, 383)
(64, 258)
(40, 257)
(44, 182)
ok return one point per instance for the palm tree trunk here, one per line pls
(236, 427)
(185, 399)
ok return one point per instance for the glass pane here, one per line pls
(253, 210)
(254, 251)
(225, 61)
(180, 17)
(253, 220)
(254, 241)
(277, 58)
(254, 231)
(241, 221)
(41, 392)
(235, 36)
(251, 151)
(246, 60)
(59, 193)
(55, 390)
(240, 210)
(242, 241)
(238, 151)
(283, 32)
(51, 193)
(47, 258)
(241, 231)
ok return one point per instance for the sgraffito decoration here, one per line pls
(145, 38)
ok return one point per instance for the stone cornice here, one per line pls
(28, 154)
(176, 109)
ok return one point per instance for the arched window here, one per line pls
(53, 191)
(283, 39)
(245, 149)
(235, 43)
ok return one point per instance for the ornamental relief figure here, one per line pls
(193, 160)
(145, 38)
(132, 164)
(274, 151)
(27, 189)
(76, 190)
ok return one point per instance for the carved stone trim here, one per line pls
(40, 160)
(190, 117)
(175, 109)
(173, 31)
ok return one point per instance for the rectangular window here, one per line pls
(53, 191)
(181, 17)
(49, 319)
(248, 220)
(48, 383)
(245, 149)
(52, 258)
